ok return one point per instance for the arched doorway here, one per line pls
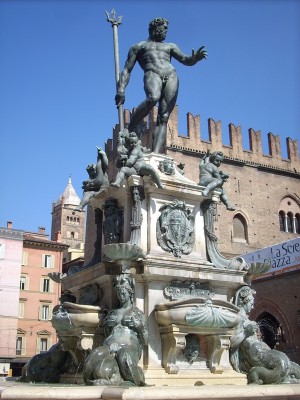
(271, 331)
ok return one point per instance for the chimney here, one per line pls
(9, 225)
(58, 236)
(42, 230)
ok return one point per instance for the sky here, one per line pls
(57, 83)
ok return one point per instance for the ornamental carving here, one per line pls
(175, 228)
(188, 289)
(167, 167)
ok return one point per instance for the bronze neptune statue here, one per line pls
(160, 78)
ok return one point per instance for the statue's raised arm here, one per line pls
(196, 56)
(160, 78)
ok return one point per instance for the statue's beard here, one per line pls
(159, 36)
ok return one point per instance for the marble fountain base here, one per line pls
(9, 390)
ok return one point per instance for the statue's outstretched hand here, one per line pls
(199, 54)
(119, 99)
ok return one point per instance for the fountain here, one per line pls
(160, 311)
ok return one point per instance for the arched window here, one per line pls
(289, 215)
(72, 235)
(239, 228)
(290, 222)
(297, 223)
(281, 221)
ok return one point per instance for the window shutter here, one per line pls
(25, 258)
(2, 250)
(50, 313)
(23, 349)
(51, 286)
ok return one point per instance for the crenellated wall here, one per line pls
(193, 142)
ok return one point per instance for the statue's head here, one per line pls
(124, 284)
(158, 29)
(244, 298)
(216, 158)
(131, 139)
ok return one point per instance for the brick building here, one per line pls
(27, 294)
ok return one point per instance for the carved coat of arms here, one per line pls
(175, 228)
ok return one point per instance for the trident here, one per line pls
(111, 17)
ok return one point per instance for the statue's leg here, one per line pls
(225, 201)
(215, 183)
(148, 170)
(140, 113)
(124, 172)
(166, 106)
(119, 178)
(153, 87)
(128, 359)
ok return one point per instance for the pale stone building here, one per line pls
(27, 293)
(11, 245)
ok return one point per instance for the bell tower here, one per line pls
(68, 224)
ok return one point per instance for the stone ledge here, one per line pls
(220, 392)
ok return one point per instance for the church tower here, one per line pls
(68, 224)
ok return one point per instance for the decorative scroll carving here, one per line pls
(218, 344)
(209, 213)
(181, 290)
(173, 343)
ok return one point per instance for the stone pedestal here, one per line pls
(168, 227)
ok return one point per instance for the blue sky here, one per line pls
(57, 83)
